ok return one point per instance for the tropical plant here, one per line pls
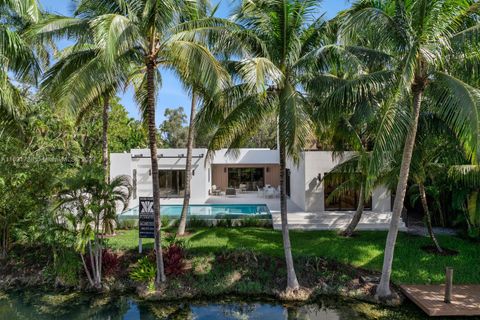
(201, 10)
(149, 35)
(81, 79)
(428, 40)
(288, 53)
(88, 202)
(18, 57)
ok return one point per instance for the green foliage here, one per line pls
(411, 263)
(255, 222)
(173, 131)
(127, 224)
(194, 222)
(143, 271)
(67, 267)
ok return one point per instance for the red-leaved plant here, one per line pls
(174, 259)
(110, 263)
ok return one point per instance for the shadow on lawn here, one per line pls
(411, 264)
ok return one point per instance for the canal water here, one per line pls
(73, 306)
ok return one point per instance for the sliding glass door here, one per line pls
(172, 183)
(250, 177)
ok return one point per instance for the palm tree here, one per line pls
(150, 35)
(202, 11)
(426, 38)
(280, 67)
(80, 80)
(89, 202)
(18, 57)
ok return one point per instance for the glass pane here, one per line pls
(348, 201)
(249, 178)
(172, 183)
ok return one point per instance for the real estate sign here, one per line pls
(146, 218)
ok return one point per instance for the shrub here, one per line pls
(174, 256)
(194, 222)
(255, 222)
(144, 270)
(226, 223)
(127, 224)
(67, 266)
(174, 259)
(110, 263)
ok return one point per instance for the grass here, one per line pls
(411, 264)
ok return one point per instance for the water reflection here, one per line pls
(74, 306)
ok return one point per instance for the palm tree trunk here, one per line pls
(89, 277)
(106, 108)
(358, 214)
(292, 282)
(383, 289)
(152, 134)
(188, 167)
(423, 198)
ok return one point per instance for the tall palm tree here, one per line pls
(80, 80)
(149, 35)
(282, 64)
(18, 58)
(426, 38)
(202, 10)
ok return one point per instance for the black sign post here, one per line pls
(146, 220)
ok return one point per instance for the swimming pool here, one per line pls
(208, 211)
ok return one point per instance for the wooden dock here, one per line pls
(465, 299)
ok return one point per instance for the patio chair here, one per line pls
(231, 192)
(242, 187)
(215, 191)
(270, 192)
(260, 192)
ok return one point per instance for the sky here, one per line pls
(172, 94)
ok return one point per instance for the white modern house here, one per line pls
(253, 176)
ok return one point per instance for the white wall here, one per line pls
(297, 182)
(125, 163)
(246, 156)
(308, 192)
(120, 164)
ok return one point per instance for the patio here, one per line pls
(298, 219)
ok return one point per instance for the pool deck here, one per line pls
(298, 219)
(465, 299)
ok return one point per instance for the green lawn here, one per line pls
(411, 264)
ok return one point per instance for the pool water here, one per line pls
(206, 210)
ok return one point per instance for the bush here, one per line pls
(225, 223)
(174, 256)
(255, 222)
(67, 265)
(144, 270)
(174, 259)
(110, 263)
(195, 222)
(127, 224)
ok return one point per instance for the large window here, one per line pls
(347, 201)
(172, 183)
(251, 177)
